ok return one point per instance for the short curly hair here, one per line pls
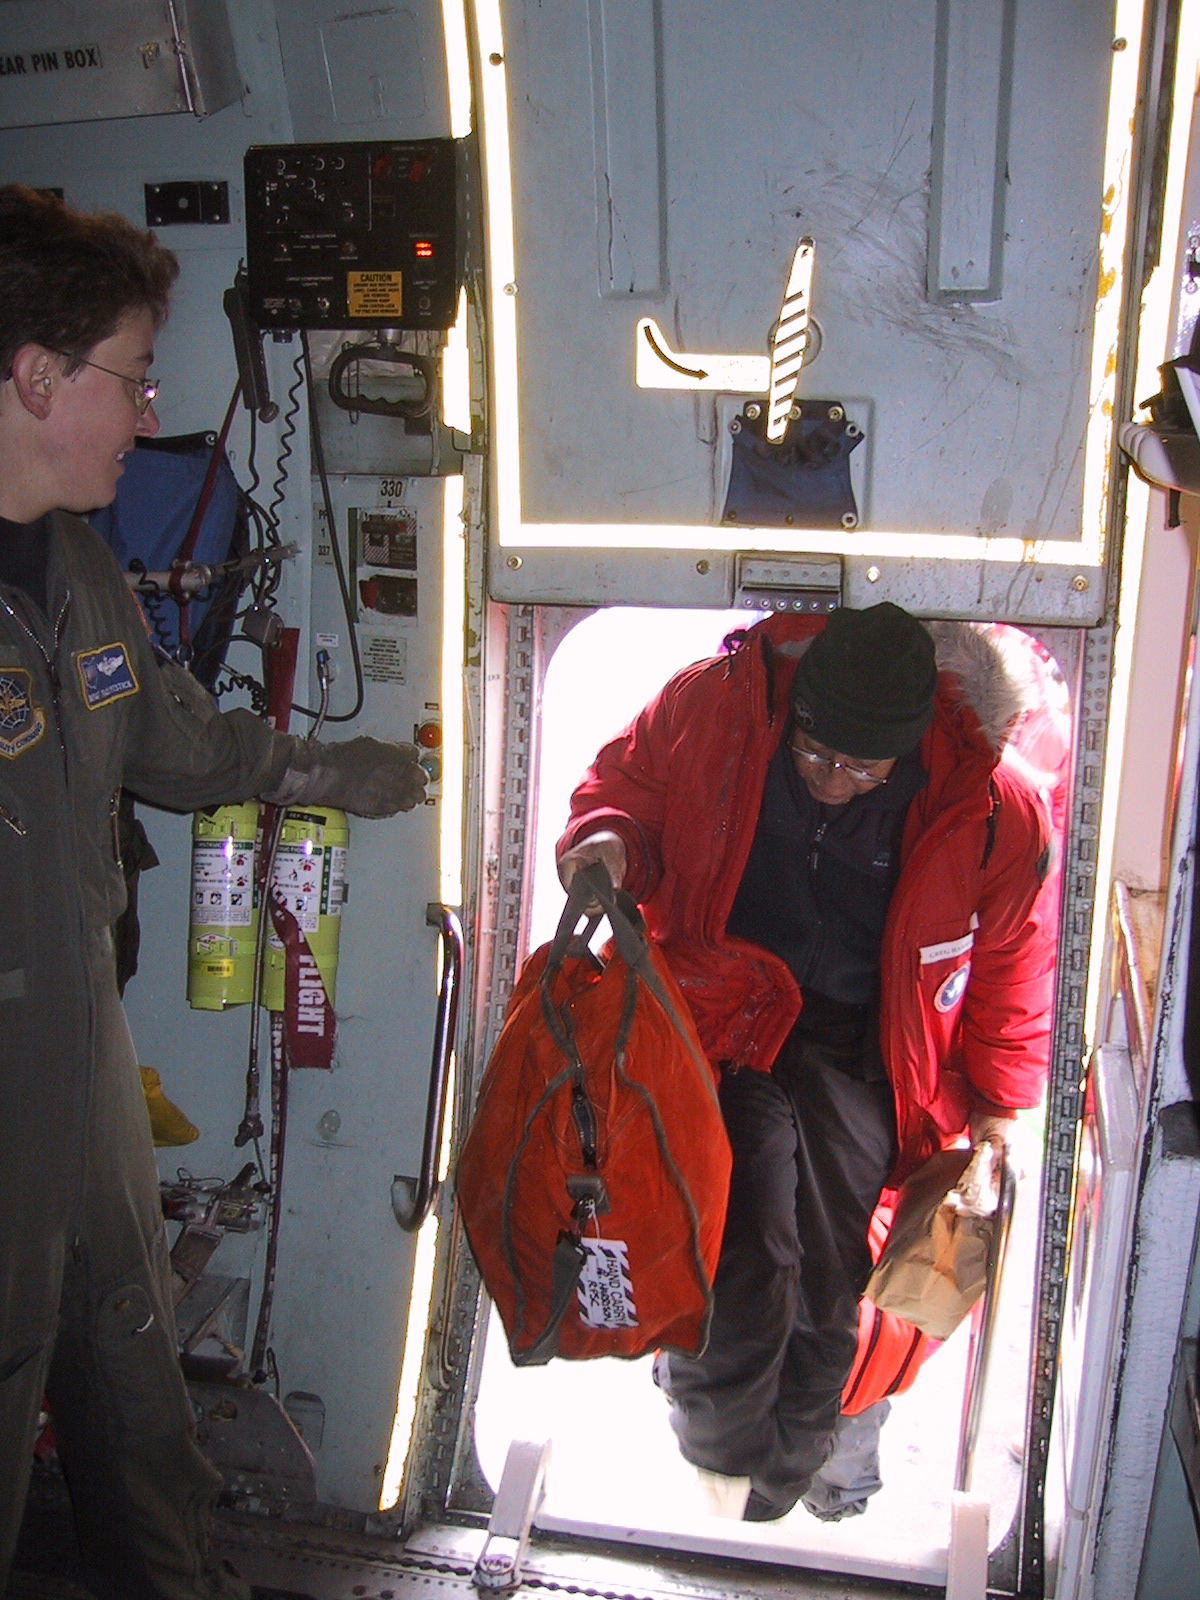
(68, 278)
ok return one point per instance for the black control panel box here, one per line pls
(353, 235)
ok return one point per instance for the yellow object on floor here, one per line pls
(168, 1125)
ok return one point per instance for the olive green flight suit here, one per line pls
(85, 1304)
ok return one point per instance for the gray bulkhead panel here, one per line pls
(665, 160)
(344, 1265)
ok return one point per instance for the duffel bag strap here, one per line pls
(628, 929)
(629, 937)
(579, 898)
(591, 887)
(566, 1267)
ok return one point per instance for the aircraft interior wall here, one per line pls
(634, 182)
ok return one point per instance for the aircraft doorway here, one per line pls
(615, 1471)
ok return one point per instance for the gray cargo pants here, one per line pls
(812, 1147)
(142, 1492)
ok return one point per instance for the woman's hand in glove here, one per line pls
(367, 777)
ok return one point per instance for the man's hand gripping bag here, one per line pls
(594, 1178)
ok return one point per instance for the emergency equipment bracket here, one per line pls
(522, 1486)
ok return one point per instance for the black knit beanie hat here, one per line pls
(865, 685)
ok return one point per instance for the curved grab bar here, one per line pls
(981, 1335)
(414, 1198)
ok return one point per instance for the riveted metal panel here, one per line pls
(780, 120)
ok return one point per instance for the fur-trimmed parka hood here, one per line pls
(985, 675)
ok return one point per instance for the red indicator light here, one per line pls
(424, 250)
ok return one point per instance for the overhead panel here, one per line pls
(374, 71)
(665, 165)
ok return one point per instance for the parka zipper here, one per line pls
(818, 835)
(114, 817)
(13, 821)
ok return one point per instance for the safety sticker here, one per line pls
(105, 674)
(310, 880)
(605, 1290)
(21, 722)
(222, 884)
(952, 989)
(384, 657)
(373, 294)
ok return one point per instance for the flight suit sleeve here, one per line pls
(182, 752)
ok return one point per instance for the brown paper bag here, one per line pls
(934, 1264)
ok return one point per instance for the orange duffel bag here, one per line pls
(594, 1178)
(890, 1351)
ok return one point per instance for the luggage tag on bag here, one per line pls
(605, 1288)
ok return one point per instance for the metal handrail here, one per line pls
(980, 1349)
(414, 1198)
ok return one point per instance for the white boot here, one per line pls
(724, 1497)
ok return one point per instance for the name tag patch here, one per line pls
(21, 722)
(950, 949)
(105, 674)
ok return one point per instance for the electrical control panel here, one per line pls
(352, 235)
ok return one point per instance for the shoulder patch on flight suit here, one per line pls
(21, 722)
(105, 674)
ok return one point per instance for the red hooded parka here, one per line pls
(969, 944)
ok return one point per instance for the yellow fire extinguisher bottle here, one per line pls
(224, 908)
(310, 874)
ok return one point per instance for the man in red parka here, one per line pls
(850, 889)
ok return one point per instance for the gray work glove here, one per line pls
(363, 776)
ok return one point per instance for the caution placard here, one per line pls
(374, 294)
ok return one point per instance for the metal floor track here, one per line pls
(296, 1561)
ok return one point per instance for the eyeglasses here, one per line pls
(145, 390)
(826, 764)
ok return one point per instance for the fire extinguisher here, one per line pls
(224, 907)
(309, 874)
